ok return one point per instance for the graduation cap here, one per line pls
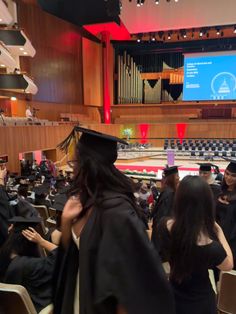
(205, 166)
(170, 170)
(21, 223)
(98, 145)
(232, 165)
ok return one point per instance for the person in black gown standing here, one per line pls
(192, 242)
(226, 206)
(106, 263)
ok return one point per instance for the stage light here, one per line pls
(142, 2)
(139, 38)
(153, 38)
(234, 29)
(13, 98)
(157, 1)
(200, 33)
(176, 0)
(138, 3)
(169, 36)
(217, 31)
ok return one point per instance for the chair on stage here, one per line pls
(226, 297)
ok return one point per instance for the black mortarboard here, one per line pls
(232, 165)
(205, 166)
(170, 170)
(21, 223)
(98, 145)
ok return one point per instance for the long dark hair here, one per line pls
(169, 181)
(17, 244)
(193, 213)
(92, 177)
(228, 195)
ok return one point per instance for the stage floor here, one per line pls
(156, 161)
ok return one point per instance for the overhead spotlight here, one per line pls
(234, 29)
(139, 38)
(157, 1)
(138, 3)
(217, 31)
(200, 33)
(183, 33)
(142, 2)
(153, 38)
(169, 36)
(176, 0)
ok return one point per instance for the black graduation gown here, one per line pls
(117, 264)
(35, 274)
(163, 208)
(226, 218)
(6, 212)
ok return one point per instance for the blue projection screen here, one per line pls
(210, 76)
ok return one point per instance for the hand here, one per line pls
(223, 200)
(72, 209)
(32, 235)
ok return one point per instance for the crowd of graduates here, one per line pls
(103, 215)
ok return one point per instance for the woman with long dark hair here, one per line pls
(165, 202)
(106, 262)
(192, 242)
(226, 206)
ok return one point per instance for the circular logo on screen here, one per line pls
(223, 84)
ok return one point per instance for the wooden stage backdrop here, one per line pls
(19, 139)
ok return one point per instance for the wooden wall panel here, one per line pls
(184, 108)
(203, 129)
(57, 65)
(20, 139)
(92, 73)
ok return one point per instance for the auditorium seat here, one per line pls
(15, 299)
(226, 297)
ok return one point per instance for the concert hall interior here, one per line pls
(160, 74)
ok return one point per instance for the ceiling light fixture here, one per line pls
(234, 29)
(217, 31)
(157, 1)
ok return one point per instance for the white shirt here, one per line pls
(28, 113)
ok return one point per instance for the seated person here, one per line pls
(21, 262)
(28, 113)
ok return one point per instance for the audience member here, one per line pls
(22, 264)
(164, 204)
(226, 206)
(206, 174)
(192, 242)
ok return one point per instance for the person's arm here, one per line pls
(3, 173)
(228, 262)
(71, 211)
(32, 235)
